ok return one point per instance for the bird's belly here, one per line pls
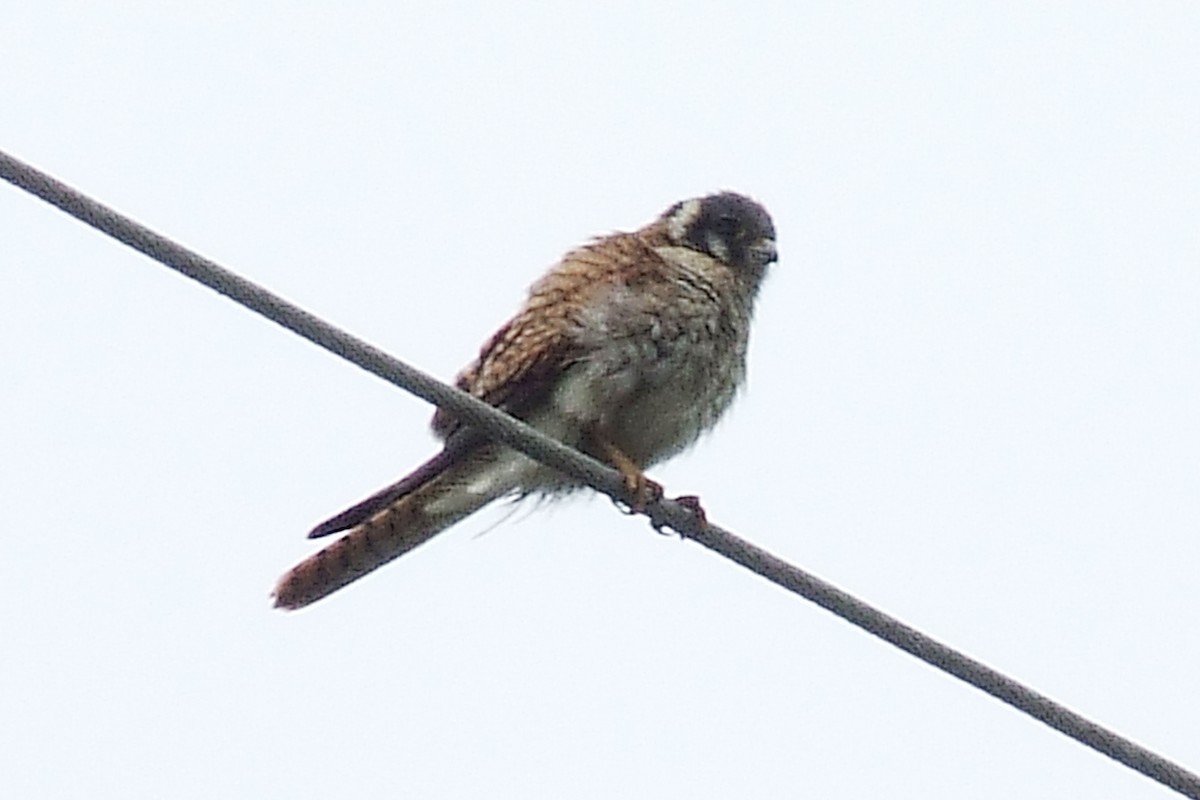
(671, 398)
(662, 420)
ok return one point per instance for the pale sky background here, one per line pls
(973, 398)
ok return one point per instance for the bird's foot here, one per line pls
(643, 491)
(692, 503)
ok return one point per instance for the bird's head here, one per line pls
(731, 228)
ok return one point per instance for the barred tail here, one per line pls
(412, 520)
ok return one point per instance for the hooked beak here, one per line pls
(763, 252)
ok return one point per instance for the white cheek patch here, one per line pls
(681, 220)
(718, 248)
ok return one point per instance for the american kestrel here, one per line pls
(628, 349)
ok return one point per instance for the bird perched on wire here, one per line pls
(628, 349)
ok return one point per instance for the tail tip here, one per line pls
(285, 597)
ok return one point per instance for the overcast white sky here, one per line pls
(973, 398)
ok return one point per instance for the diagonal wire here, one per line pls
(680, 517)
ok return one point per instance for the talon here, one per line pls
(643, 490)
(660, 527)
(692, 503)
(623, 507)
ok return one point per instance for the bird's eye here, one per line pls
(726, 225)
